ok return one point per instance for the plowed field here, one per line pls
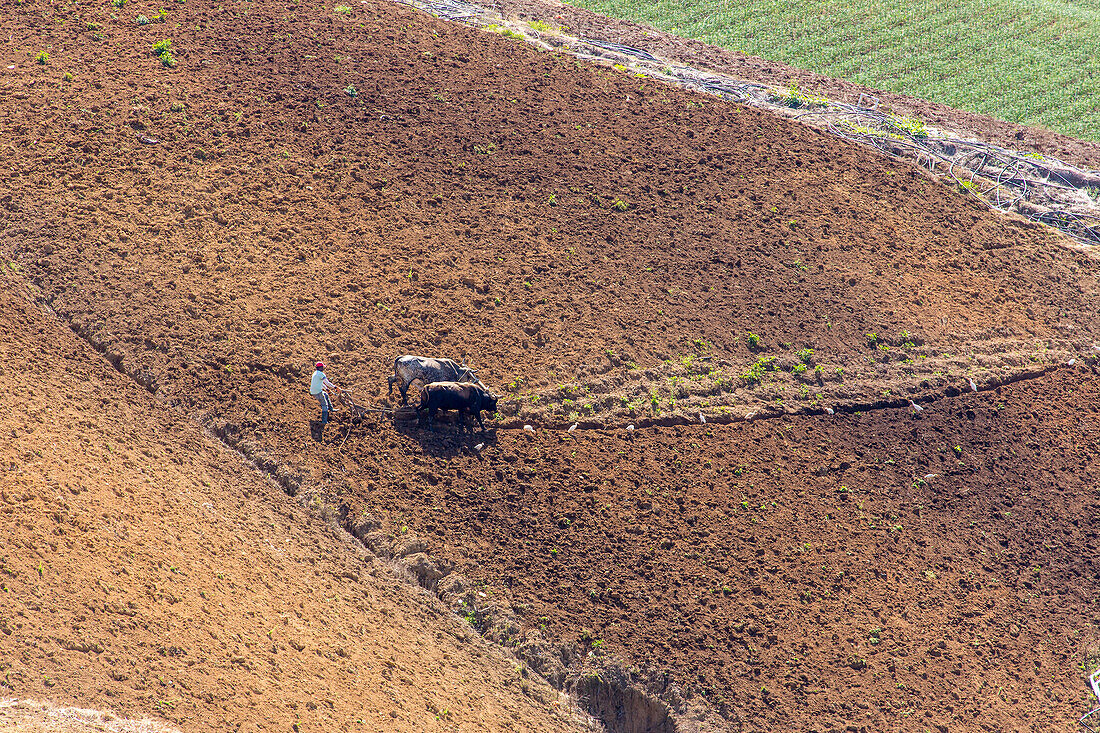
(144, 568)
(349, 185)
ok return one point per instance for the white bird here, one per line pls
(915, 406)
(479, 446)
(702, 419)
(829, 411)
(529, 428)
(630, 428)
(1071, 362)
(973, 387)
(572, 428)
(750, 416)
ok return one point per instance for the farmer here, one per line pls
(318, 387)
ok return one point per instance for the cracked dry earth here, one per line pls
(353, 186)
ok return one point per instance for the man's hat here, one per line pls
(320, 365)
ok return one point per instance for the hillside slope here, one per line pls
(679, 50)
(464, 201)
(351, 185)
(148, 570)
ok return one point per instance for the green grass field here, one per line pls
(1035, 62)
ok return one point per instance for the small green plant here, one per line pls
(970, 186)
(755, 373)
(141, 20)
(351, 91)
(67, 76)
(872, 337)
(341, 10)
(168, 59)
(795, 99)
(495, 28)
(619, 205)
(162, 47)
(1091, 660)
(543, 27)
(42, 57)
(910, 126)
(552, 200)
(752, 340)
(806, 356)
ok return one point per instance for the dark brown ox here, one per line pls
(464, 397)
(408, 369)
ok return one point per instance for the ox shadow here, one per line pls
(446, 437)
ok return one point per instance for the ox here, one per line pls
(464, 397)
(408, 369)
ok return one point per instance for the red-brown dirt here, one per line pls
(356, 186)
(801, 569)
(147, 569)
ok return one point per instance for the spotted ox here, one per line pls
(464, 397)
(408, 369)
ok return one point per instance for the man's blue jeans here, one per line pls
(326, 405)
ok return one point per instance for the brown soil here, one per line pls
(801, 571)
(146, 569)
(464, 201)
